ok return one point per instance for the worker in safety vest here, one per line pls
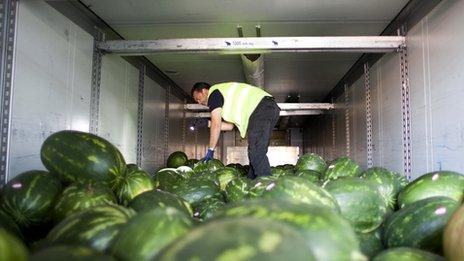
(252, 110)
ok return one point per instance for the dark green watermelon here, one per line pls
(95, 227)
(159, 199)
(185, 171)
(311, 175)
(388, 183)
(191, 163)
(80, 156)
(342, 167)
(70, 253)
(206, 208)
(195, 191)
(225, 175)
(237, 189)
(149, 232)
(328, 234)
(11, 247)
(278, 171)
(7, 223)
(300, 190)
(81, 196)
(29, 198)
(440, 183)
(239, 239)
(259, 185)
(406, 254)
(311, 161)
(371, 242)
(168, 179)
(241, 169)
(420, 224)
(209, 166)
(359, 201)
(132, 184)
(177, 159)
(131, 167)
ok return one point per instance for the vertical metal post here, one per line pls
(347, 121)
(332, 156)
(166, 123)
(406, 111)
(142, 71)
(7, 47)
(367, 88)
(96, 80)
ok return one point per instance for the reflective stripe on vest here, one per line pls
(240, 100)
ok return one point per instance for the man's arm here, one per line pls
(225, 126)
(216, 124)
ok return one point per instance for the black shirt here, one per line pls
(215, 100)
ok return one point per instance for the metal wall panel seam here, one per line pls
(428, 93)
(406, 112)
(347, 121)
(184, 126)
(166, 123)
(332, 156)
(367, 87)
(140, 114)
(8, 10)
(96, 82)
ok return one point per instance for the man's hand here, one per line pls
(209, 155)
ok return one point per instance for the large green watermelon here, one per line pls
(420, 224)
(159, 199)
(11, 247)
(81, 196)
(177, 159)
(168, 179)
(240, 239)
(440, 183)
(7, 223)
(95, 227)
(185, 171)
(237, 189)
(194, 191)
(311, 175)
(388, 183)
(342, 167)
(241, 170)
(359, 201)
(453, 240)
(69, 253)
(206, 208)
(149, 232)
(29, 198)
(131, 167)
(406, 254)
(225, 175)
(132, 184)
(80, 156)
(191, 163)
(371, 242)
(328, 234)
(300, 190)
(259, 185)
(311, 161)
(209, 166)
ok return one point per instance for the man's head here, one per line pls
(200, 92)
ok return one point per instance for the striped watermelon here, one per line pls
(69, 253)
(185, 171)
(159, 199)
(210, 166)
(311, 161)
(329, 235)
(168, 179)
(359, 201)
(259, 185)
(300, 190)
(371, 242)
(420, 224)
(453, 240)
(206, 208)
(406, 254)
(342, 167)
(11, 248)
(176, 159)
(81, 196)
(7, 223)
(440, 183)
(239, 239)
(148, 232)
(225, 175)
(195, 191)
(29, 198)
(311, 175)
(132, 184)
(237, 189)
(95, 227)
(79, 156)
(131, 167)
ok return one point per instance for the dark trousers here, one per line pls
(260, 126)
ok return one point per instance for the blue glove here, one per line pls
(209, 155)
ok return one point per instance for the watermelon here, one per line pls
(132, 184)
(80, 156)
(301, 190)
(159, 199)
(310, 175)
(206, 208)
(167, 179)
(208, 176)
(237, 189)
(259, 185)
(420, 224)
(149, 232)
(311, 161)
(278, 171)
(239, 239)
(453, 240)
(225, 175)
(28, 198)
(69, 253)
(131, 167)
(388, 183)
(406, 254)
(241, 170)
(191, 162)
(81, 196)
(185, 172)
(342, 167)
(11, 247)
(209, 166)
(196, 190)
(371, 242)
(177, 159)
(440, 183)
(95, 227)
(7, 223)
(360, 202)
(329, 235)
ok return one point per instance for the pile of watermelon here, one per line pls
(89, 203)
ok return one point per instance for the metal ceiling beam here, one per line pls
(283, 106)
(282, 113)
(363, 44)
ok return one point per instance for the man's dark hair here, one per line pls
(199, 86)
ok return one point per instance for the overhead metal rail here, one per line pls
(361, 44)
